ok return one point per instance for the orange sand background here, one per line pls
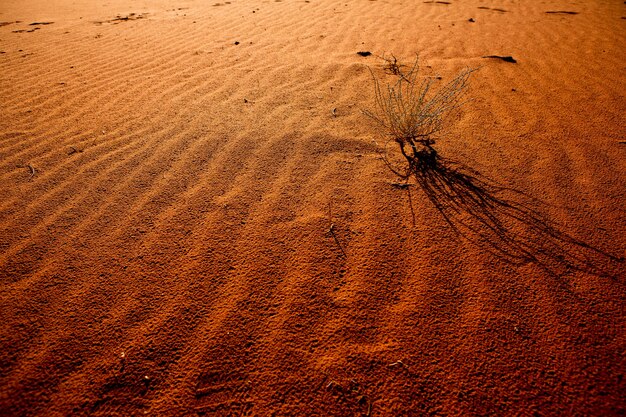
(164, 211)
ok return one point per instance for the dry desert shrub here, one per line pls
(413, 112)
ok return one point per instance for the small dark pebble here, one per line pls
(471, 19)
(237, 43)
(364, 53)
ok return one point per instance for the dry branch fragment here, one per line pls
(507, 58)
(331, 228)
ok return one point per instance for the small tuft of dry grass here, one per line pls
(413, 112)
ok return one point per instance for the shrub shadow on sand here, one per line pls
(500, 219)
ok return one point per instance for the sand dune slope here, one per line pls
(169, 172)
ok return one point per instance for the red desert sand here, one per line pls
(196, 218)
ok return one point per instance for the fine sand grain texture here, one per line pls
(170, 171)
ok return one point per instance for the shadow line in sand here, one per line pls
(497, 217)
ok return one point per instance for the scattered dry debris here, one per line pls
(40, 23)
(334, 111)
(507, 58)
(560, 12)
(400, 185)
(437, 2)
(120, 18)
(131, 16)
(9, 23)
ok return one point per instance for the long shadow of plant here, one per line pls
(500, 219)
(497, 217)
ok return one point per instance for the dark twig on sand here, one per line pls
(507, 58)
(560, 12)
(331, 229)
